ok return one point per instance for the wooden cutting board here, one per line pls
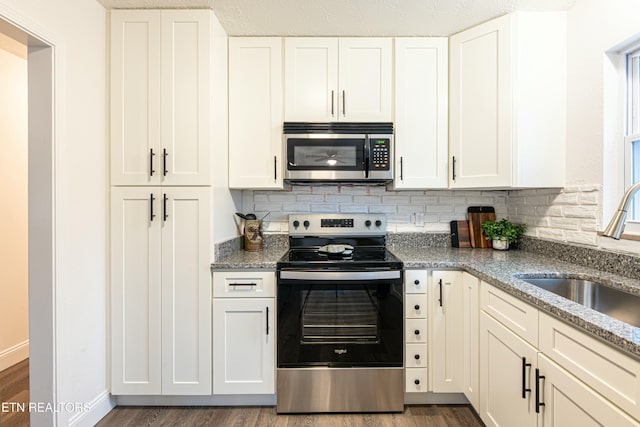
(476, 216)
(460, 234)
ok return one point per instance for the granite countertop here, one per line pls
(501, 270)
(240, 259)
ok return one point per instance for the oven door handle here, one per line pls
(315, 275)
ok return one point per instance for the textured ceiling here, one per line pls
(348, 17)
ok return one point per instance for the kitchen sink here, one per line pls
(612, 302)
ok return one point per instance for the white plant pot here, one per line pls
(500, 245)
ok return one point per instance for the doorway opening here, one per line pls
(38, 158)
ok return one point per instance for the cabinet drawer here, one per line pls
(415, 281)
(416, 356)
(239, 284)
(610, 372)
(416, 380)
(415, 306)
(415, 331)
(515, 314)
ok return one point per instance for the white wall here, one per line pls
(14, 310)
(77, 28)
(593, 132)
(225, 202)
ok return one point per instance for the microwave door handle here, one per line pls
(366, 156)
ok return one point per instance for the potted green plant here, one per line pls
(502, 232)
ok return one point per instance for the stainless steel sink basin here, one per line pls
(612, 302)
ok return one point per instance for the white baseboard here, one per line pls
(97, 409)
(13, 355)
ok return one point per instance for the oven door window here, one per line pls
(339, 324)
(325, 154)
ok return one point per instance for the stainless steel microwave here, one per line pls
(338, 151)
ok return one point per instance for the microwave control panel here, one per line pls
(380, 148)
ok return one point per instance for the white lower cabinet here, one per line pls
(160, 291)
(446, 323)
(244, 333)
(470, 330)
(570, 402)
(572, 379)
(506, 380)
(416, 331)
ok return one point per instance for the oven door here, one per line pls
(340, 318)
(325, 157)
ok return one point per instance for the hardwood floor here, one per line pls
(417, 415)
(14, 389)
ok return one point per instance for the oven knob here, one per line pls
(378, 223)
(367, 223)
(296, 223)
(306, 224)
(417, 332)
(417, 357)
(416, 282)
(417, 307)
(417, 382)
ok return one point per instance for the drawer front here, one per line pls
(415, 306)
(415, 331)
(513, 313)
(415, 281)
(610, 372)
(416, 356)
(416, 380)
(239, 284)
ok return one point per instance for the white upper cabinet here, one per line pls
(331, 79)
(421, 99)
(255, 112)
(160, 97)
(508, 102)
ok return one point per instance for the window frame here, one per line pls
(632, 131)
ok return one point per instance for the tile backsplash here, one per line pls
(407, 211)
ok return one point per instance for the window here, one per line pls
(632, 138)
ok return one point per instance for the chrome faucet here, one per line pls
(616, 225)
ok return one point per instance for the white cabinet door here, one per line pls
(160, 97)
(446, 325)
(135, 290)
(471, 327)
(480, 106)
(160, 291)
(255, 112)
(186, 97)
(508, 102)
(135, 98)
(569, 402)
(186, 291)
(330, 79)
(244, 354)
(311, 85)
(364, 79)
(421, 112)
(507, 366)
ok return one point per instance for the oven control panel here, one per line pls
(337, 224)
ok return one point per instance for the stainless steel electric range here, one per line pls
(340, 317)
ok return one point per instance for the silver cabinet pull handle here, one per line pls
(344, 105)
